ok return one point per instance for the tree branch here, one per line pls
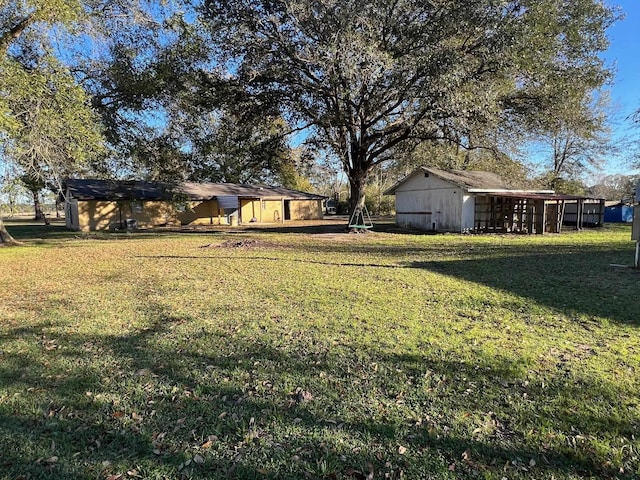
(14, 32)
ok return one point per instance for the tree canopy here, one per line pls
(369, 77)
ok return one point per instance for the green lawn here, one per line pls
(265, 354)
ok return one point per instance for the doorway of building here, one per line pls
(287, 209)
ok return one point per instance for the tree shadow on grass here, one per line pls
(220, 404)
(579, 283)
(574, 283)
(31, 230)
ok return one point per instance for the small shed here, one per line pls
(97, 204)
(476, 201)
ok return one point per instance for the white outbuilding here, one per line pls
(476, 201)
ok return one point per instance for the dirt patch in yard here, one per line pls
(244, 244)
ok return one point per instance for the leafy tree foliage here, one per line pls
(170, 114)
(616, 187)
(495, 155)
(46, 124)
(237, 148)
(55, 132)
(577, 137)
(371, 76)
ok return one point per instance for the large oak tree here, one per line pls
(370, 76)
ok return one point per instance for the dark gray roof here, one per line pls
(98, 189)
(95, 189)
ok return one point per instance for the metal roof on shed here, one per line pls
(528, 195)
(463, 178)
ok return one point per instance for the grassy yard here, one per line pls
(266, 354)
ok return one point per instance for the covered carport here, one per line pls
(537, 213)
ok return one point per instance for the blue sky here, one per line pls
(624, 53)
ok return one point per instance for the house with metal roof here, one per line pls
(475, 201)
(96, 204)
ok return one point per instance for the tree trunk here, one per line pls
(5, 237)
(356, 201)
(37, 206)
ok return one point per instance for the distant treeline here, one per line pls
(21, 209)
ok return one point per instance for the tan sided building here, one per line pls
(94, 204)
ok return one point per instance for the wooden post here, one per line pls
(601, 214)
(579, 214)
(635, 233)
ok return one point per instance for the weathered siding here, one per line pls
(103, 215)
(71, 214)
(468, 212)
(306, 209)
(429, 203)
(153, 214)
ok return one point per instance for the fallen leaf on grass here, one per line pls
(402, 450)
(300, 395)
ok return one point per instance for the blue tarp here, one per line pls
(618, 214)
